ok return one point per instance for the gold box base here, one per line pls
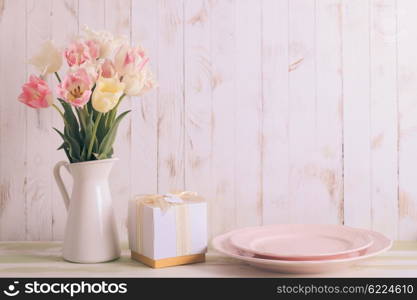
(169, 262)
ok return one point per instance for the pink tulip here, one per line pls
(130, 60)
(76, 88)
(36, 93)
(143, 61)
(107, 69)
(93, 49)
(79, 52)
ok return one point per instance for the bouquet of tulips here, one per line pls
(101, 71)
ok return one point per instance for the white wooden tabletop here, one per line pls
(43, 259)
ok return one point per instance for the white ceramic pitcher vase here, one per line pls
(91, 232)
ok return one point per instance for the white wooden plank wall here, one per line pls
(407, 107)
(223, 84)
(356, 113)
(275, 79)
(276, 111)
(13, 210)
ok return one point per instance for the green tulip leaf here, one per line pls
(106, 146)
(72, 122)
(74, 148)
(60, 133)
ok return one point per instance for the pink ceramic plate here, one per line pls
(301, 241)
(380, 244)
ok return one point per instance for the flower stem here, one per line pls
(120, 100)
(114, 111)
(57, 77)
(58, 110)
(61, 113)
(93, 137)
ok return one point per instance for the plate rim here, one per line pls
(278, 262)
(351, 230)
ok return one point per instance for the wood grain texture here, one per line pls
(198, 80)
(43, 259)
(12, 121)
(277, 111)
(356, 114)
(384, 117)
(222, 205)
(92, 13)
(171, 96)
(329, 118)
(407, 106)
(275, 150)
(306, 205)
(144, 157)
(248, 118)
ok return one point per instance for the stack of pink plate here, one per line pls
(302, 248)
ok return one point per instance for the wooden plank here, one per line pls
(407, 106)
(249, 108)
(356, 114)
(64, 29)
(305, 206)
(39, 179)
(275, 164)
(144, 158)
(197, 90)
(384, 122)
(222, 207)
(117, 20)
(12, 121)
(329, 131)
(92, 14)
(171, 96)
(20, 259)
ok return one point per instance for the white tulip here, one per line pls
(48, 60)
(105, 39)
(137, 84)
(134, 83)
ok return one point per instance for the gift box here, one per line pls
(168, 230)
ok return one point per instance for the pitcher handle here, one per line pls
(60, 182)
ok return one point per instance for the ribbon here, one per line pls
(165, 202)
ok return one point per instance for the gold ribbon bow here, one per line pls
(165, 202)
